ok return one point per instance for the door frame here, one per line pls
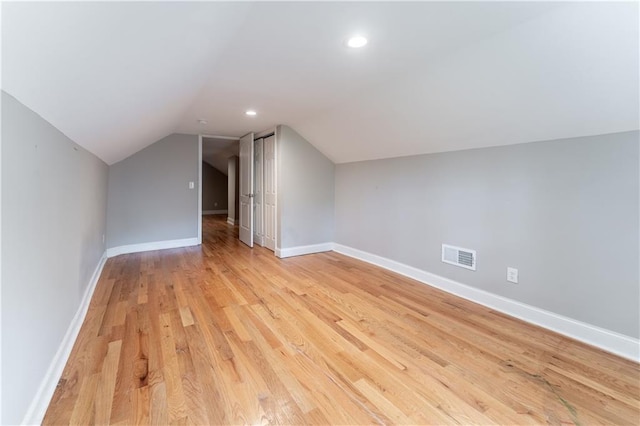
(274, 131)
(199, 189)
(276, 147)
(200, 137)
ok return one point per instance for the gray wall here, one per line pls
(305, 192)
(149, 198)
(214, 188)
(564, 212)
(53, 219)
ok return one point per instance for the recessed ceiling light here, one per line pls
(250, 112)
(357, 41)
(202, 121)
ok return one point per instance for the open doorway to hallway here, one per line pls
(219, 177)
(220, 174)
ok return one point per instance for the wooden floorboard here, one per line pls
(224, 334)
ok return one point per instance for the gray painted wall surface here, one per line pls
(305, 192)
(214, 188)
(233, 187)
(149, 198)
(564, 212)
(53, 217)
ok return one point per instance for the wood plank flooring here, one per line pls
(224, 334)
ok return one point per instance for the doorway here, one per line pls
(218, 174)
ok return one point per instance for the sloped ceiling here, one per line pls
(216, 152)
(436, 76)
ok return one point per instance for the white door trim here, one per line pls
(199, 189)
(229, 138)
(265, 134)
(276, 143)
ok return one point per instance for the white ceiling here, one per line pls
(116, 77)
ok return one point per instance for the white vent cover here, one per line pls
(459, 256)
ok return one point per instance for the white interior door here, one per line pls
(269, 189)
(258, 228)
(246, 189)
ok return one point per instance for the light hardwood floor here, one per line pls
(224, 334)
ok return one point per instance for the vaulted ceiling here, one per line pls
(435, 76)
(216, 152)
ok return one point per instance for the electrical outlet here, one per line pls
(512, 275)
(191, 185)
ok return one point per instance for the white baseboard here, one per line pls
(215, 211)
(47, 387)
(157, 245)
(302, 250)
(610, 341)
(231, 221)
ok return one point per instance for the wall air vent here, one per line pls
(459, 256)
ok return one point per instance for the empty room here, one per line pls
(350, 213)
